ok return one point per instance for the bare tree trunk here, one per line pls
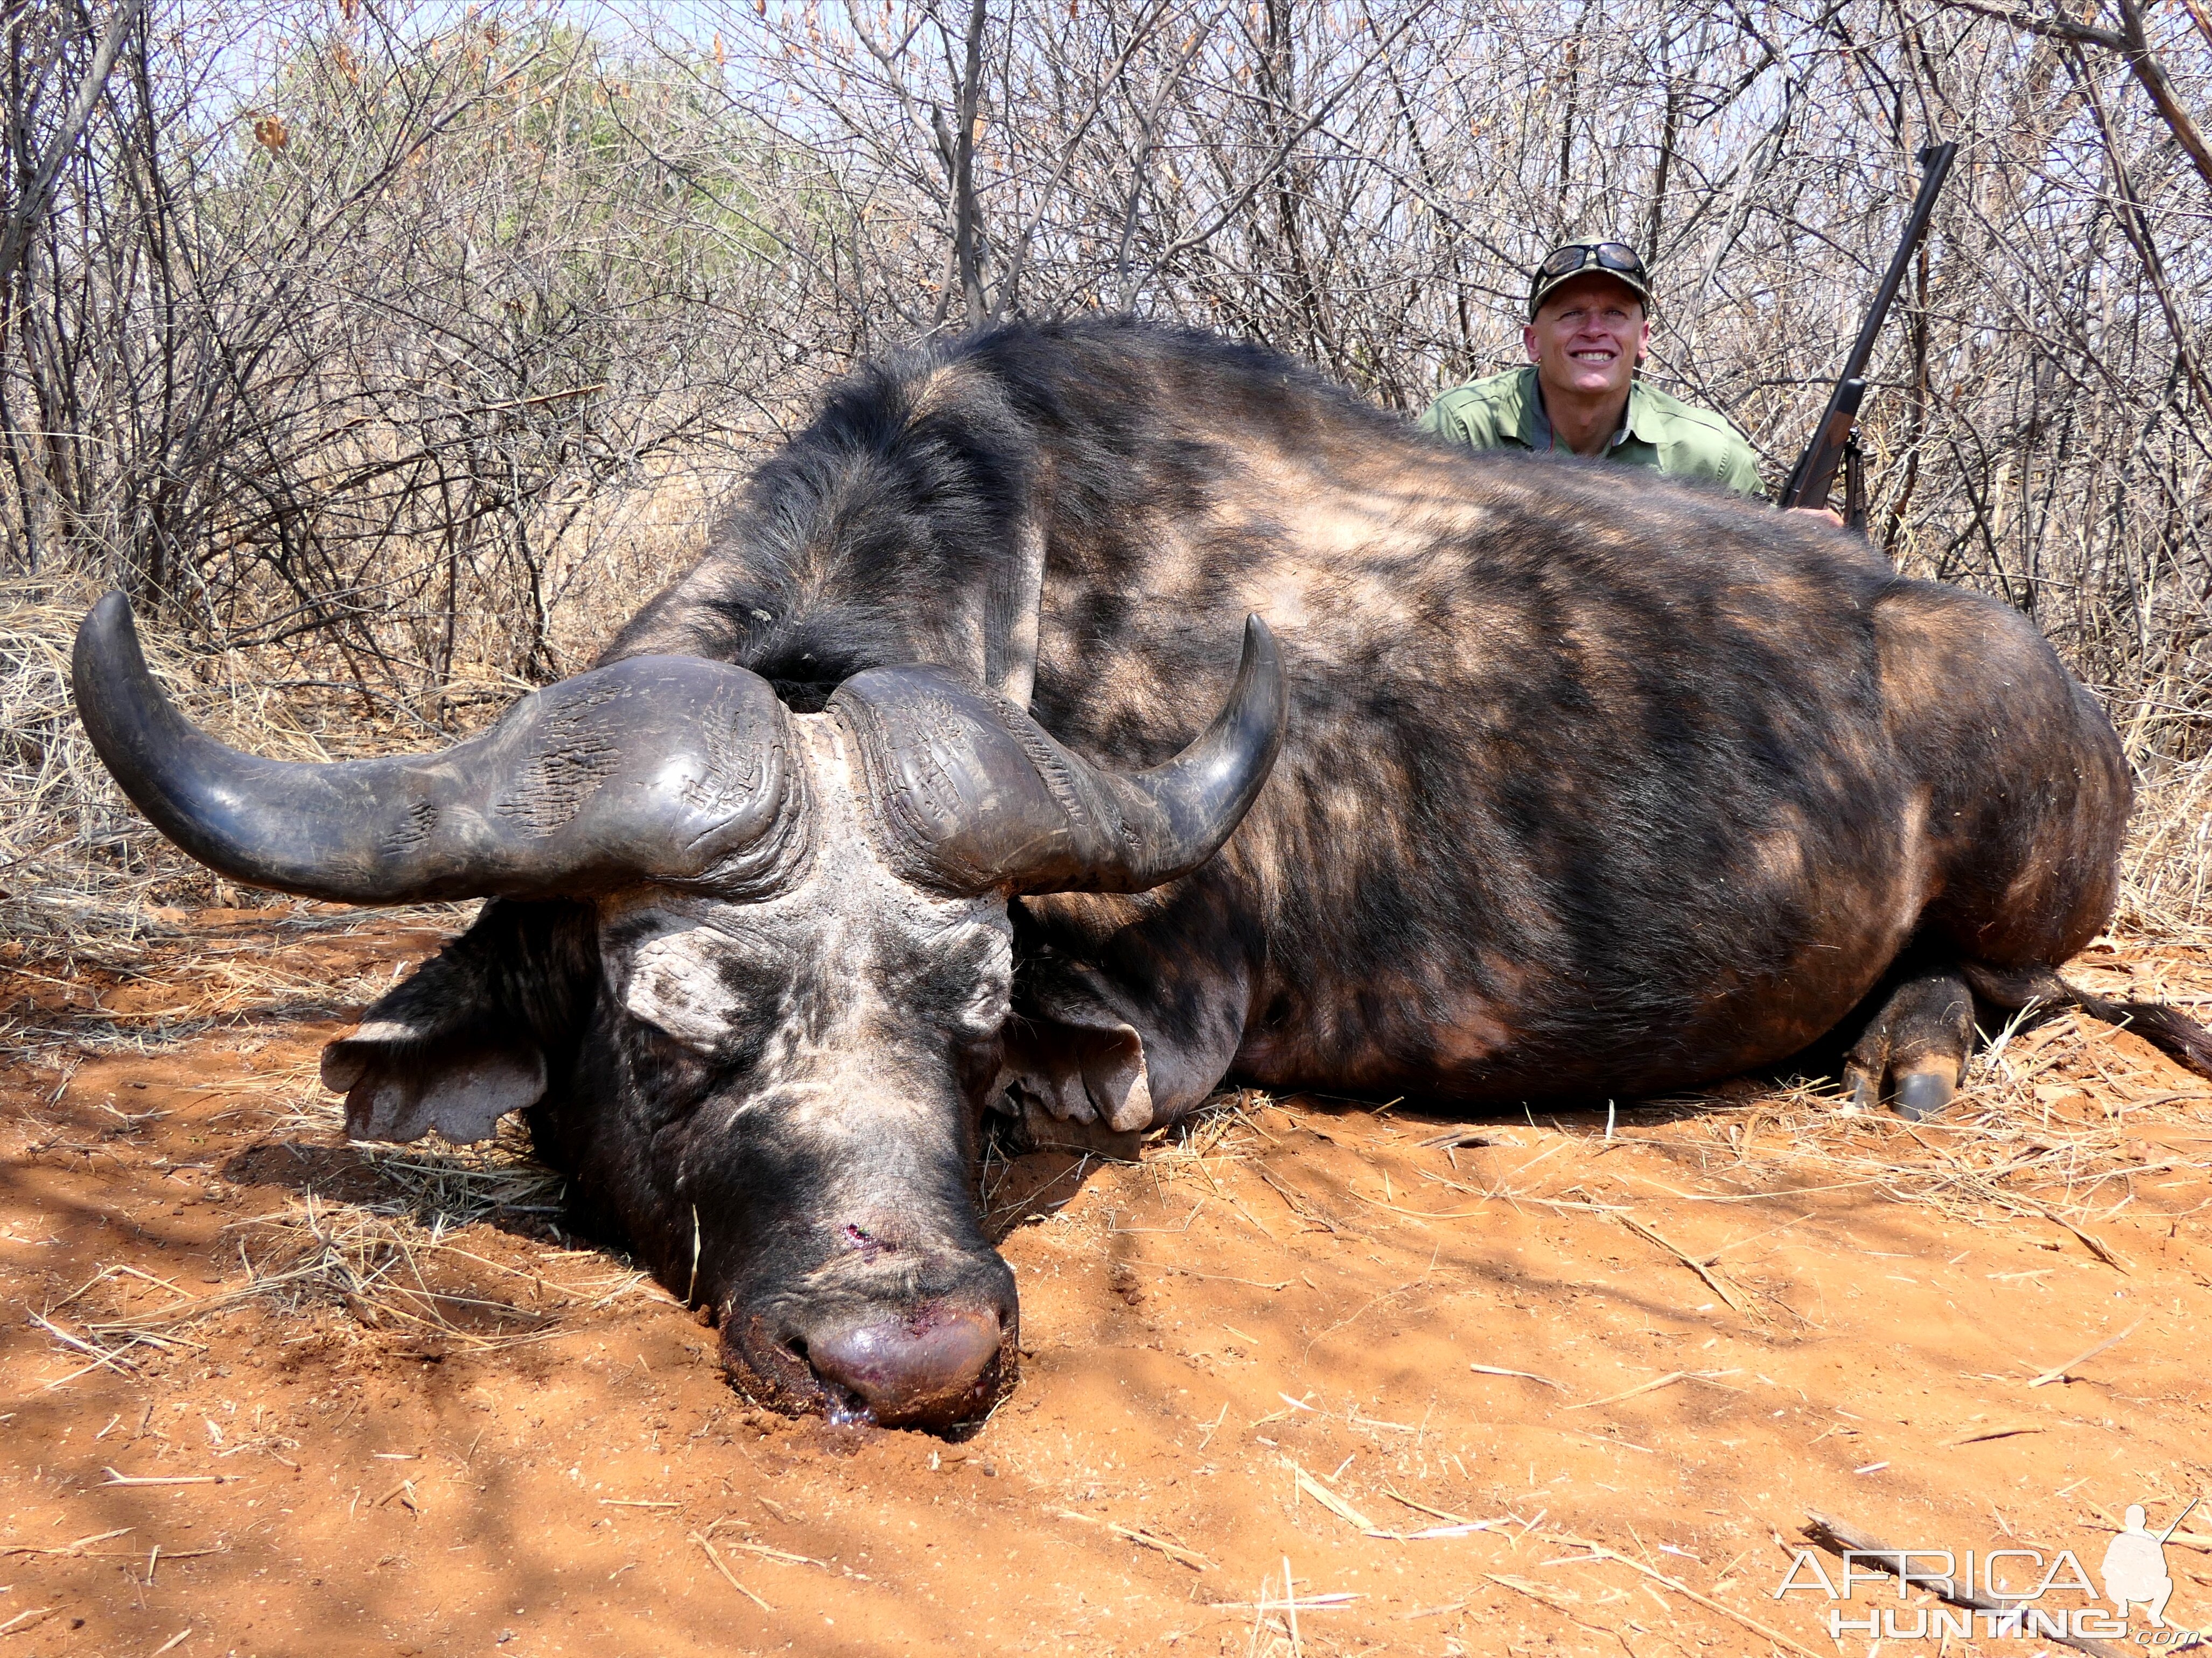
(1574, 66)
(1670, 129)
(967, 219)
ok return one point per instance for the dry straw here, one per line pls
(411, 1254)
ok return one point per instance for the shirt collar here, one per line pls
(1642, 420)
(1536, 425)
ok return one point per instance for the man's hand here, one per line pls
(1827, 512)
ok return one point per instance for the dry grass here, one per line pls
(386, 1274)
(154, 979)
(396, 1252)
(79, 867)
(409, 1250)
(2165, 892)
(434, 1185)
(76, 864)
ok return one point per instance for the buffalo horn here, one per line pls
(657, 768)
(972, 795)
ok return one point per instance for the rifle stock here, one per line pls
(1816, 475)
(1811, 479)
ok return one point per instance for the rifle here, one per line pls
(1836, 439)
(2167, 1535)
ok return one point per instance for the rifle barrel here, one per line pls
(2167, 1535)
(1816, 468)
(1937, 159)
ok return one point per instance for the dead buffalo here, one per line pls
(1589, 787)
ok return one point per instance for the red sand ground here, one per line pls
(1277, 1334)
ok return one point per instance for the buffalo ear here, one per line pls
(1070, 1061)
(475, 1032)
(1110, 1036)
(1089, 1065)
(400, 1082)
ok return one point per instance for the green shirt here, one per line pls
(1504, 411)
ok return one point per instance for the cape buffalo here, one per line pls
(1589, 786)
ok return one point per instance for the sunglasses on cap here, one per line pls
(1615, 260)
(1606, 256)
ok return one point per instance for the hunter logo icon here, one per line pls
(2002, 1595)
(2135, 1565)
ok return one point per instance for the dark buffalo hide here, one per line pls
(1594, 786)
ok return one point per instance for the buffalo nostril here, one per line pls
(935, 1369)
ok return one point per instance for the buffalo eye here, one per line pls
(987, 963)
(682, 985)
(983, 1011)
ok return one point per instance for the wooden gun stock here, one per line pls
(1815, 475)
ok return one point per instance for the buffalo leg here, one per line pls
(1918, 1041)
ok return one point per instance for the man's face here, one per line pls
(1588, 337)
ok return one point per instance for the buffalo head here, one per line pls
(785, 960)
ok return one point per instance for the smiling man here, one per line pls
(1588, 327)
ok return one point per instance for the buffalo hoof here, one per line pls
(1919, 1039)
(1922, 1094)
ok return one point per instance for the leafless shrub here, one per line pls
(391, 357)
